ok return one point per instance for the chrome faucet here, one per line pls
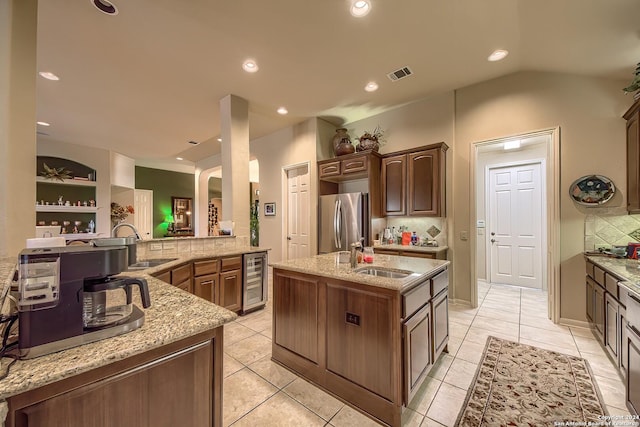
(114, 232)
(353, 259)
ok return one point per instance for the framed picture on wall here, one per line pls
(270, 209)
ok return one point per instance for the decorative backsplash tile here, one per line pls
(433, 231)
(605, 231)
(433, 227)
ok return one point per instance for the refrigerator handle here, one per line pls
(336, 224)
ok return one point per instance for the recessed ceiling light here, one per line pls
(371, 87)
(282, 111)
(360, 8)
(105, 6)
(219, 139)
(250, 66)
(179, 158)
(497, 55)
(510, 145)
(44, 123)
(49, 75)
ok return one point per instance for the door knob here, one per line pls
(493, 233)
(493, 240)
(288, 237)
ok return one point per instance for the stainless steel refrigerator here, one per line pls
(342, 219)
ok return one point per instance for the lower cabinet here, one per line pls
(181, 277)
(633, 370)
(590, 288)
(598, 311)
(230, 296)
(206, 287)
(612, 321)
(440, 319)
(180, 388)
(417, 344)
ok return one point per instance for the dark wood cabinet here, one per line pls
(181, 277)
(440, 319)
(410, 253)
(161, 388)
(598, 312)
(394, 187)
(633, 370)
(632, 116)
(206, 287)
(413, 182)
(612, 322)
(230, 295)
(417, 339)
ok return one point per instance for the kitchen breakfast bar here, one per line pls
(368, 335)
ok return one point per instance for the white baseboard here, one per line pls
(571, 322)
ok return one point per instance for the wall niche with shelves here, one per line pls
(70, 196)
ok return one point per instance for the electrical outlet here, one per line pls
(464, 235)
(354, 319)
(155, 246)
(171, 246)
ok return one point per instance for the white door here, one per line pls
(298, 213)
(143, 208)
(515, 212)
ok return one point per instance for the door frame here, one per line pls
(552, 180)
(284, 218)
(543, 189)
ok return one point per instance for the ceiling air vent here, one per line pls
(193, 143)
(399, 74)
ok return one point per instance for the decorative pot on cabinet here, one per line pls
(368, 144)
(342, 143)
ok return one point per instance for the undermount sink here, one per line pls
(384, 272)
(148, 264)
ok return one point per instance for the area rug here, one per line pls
(521, 385)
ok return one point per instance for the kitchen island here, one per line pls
(363, 336)
(166, 373)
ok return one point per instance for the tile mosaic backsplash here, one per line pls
(605, 231)
(435, 227)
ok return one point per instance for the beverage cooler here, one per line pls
(254, 286)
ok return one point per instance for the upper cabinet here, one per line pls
(632, 117)
(413, 182)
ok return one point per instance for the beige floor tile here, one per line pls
(230, 365)
(349, 417)
(534, 312)
(462, 308)
(242, 392)
(267, 333)
(552, 347)
(461, 373)
(581, 332)
(494, 325)
(460, 317)
(425, 395)
(313, 398)
(258, 321)
(479, 335)
(250, 349)
(501, 300)
(272, 372)
(457, 330)
(612, 391)
(440, 368)
(621, 412)
(510, 307)
(428, 422)
(470, 351)
(447, 404)
(543, 323)
(495, 313)
(453, 345)
(234, 332)
(560, 339)
(588, 345)
(282, 411)
(603, 367)
(411, 418)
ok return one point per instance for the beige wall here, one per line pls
(18, 21)
(592, 140)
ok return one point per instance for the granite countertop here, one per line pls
(173, 315)
(411, 248)
(626, 269)
(327, 265)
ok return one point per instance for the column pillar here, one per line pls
(18, 31)
(234, 123)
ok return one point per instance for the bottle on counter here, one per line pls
(414, 239)
(392, 239)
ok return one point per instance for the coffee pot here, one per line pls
(108, 301)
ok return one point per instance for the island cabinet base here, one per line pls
(344, 337)
(179, 384)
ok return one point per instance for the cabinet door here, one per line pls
(355, 165)
(181, 276)
(206, 286)
(633, 164)
(611, 322)
(623, 359)
(417, 351)
(440, 319)
(165, 276)
(418, 254)
(231, 290)
(172, 391)
(423, 170)
(590, 296)
(329, 169)
(633, 371)
(394, 188)
(359, 327)
(598, 311)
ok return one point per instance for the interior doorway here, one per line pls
(516, 217)
(298, 215)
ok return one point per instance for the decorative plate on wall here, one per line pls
(592, 190)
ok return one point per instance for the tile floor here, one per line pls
(258, 392)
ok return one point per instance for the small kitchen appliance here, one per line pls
(67, 296)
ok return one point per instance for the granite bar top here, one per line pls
(328, 265)
(411, 248)
(173, 315)
(626, 269)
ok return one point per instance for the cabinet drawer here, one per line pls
(590, 269)
(181, 274)
(329, 169)
(439, 282)
(415, 298)
(231, 263)
(385, 251)
(611, 285)
(185, 286)
(201, 268)
(165, 276)
(354, 165)
(598, 275)
(418, 255)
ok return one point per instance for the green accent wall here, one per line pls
(165, 184)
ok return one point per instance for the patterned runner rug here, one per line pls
(521, 385)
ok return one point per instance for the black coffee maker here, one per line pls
(68, 296)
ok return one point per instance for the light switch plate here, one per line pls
(464, 235)
(155, 246)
